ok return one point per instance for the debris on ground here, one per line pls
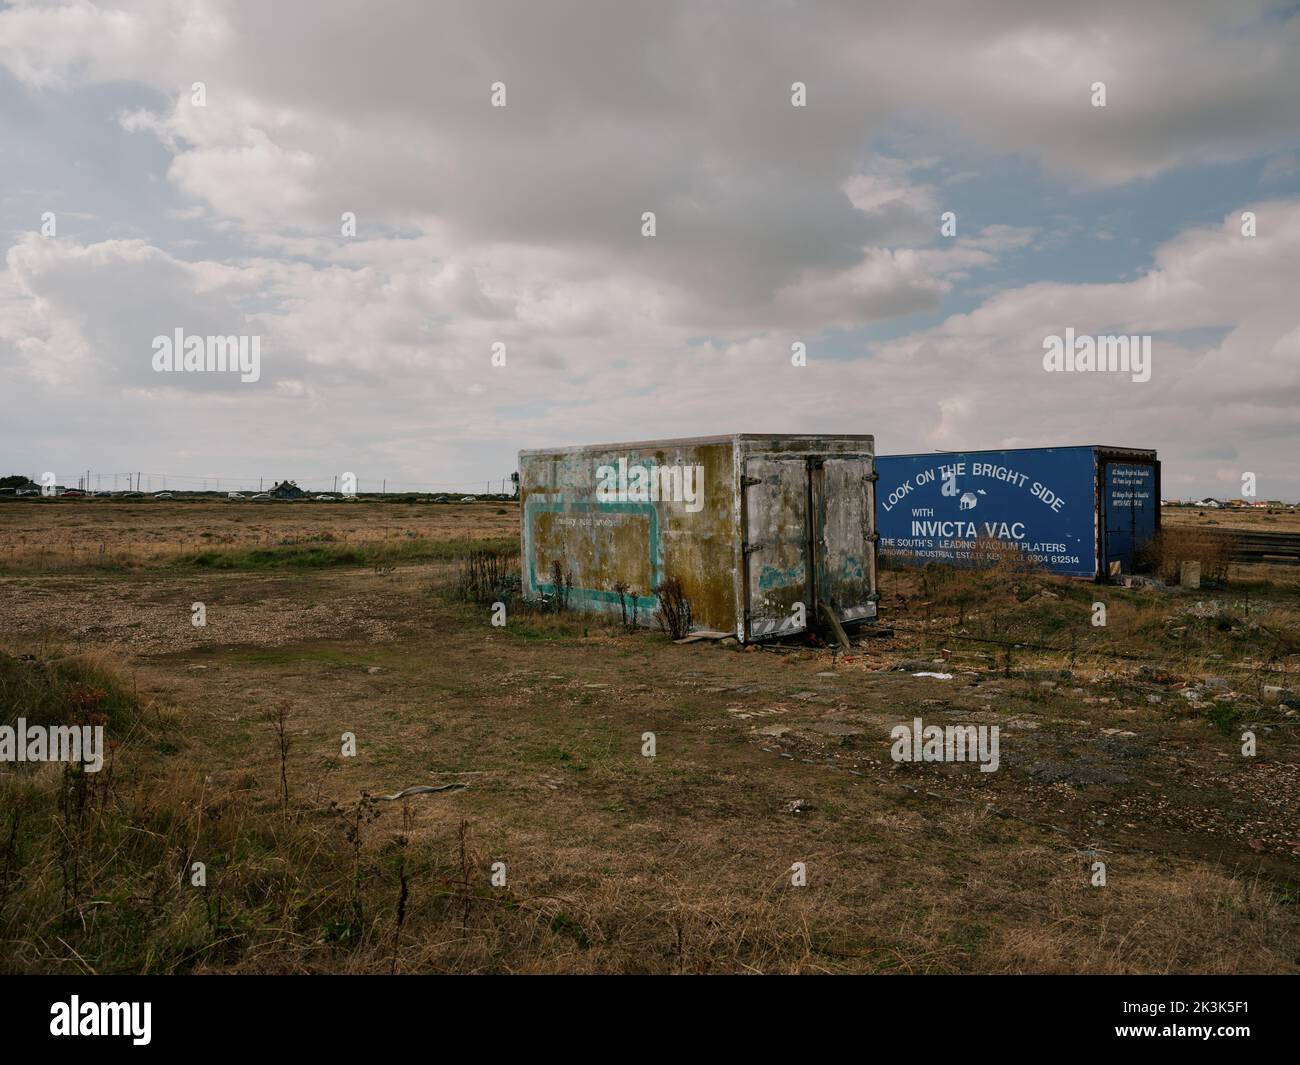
(1275, 695)
(420, 789)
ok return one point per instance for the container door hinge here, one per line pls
(872, 477)
(749, 549)
(749, 482)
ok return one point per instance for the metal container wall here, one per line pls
(1081, 511)
(1129, 493)
(753, 526)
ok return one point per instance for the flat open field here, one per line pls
(112, 533)
(570, 850)
(1282, 521)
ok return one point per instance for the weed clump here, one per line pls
(674, 613)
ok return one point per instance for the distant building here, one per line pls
(17, 484)
(287, 490)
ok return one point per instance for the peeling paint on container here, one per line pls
(1085, 511)
(752, 525)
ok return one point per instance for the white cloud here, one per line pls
(522, 224)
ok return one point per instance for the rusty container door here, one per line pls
(843, 505)
(776, 546)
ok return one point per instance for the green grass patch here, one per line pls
(1224, 717)
(319, 555)
(53, 689)
(294, 656)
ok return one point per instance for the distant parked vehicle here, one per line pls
(162, 495)
(74, 492)
(234, 495)
(326, 499)
(262, 495)
(469, 499)
(441, 498)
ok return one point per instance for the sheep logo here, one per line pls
(967, 501)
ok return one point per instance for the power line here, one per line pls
(205, 481)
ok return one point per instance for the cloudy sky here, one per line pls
(219, 211)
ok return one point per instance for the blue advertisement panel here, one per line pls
(1037, 505)
(1131, 507)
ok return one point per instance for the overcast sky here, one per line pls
(522, 225)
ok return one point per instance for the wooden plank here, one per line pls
(840, 637)
(706, 634)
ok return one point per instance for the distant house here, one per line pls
(17, 485)
(287, 490)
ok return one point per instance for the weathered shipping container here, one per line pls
(1083, 511)
(753, 527)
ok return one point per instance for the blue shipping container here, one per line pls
(1082, 511)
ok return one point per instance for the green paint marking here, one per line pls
(539, 504)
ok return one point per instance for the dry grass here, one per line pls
(1246, 519)
(1179, 543)
(373, 887)
(229, 754)
(66, 535)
